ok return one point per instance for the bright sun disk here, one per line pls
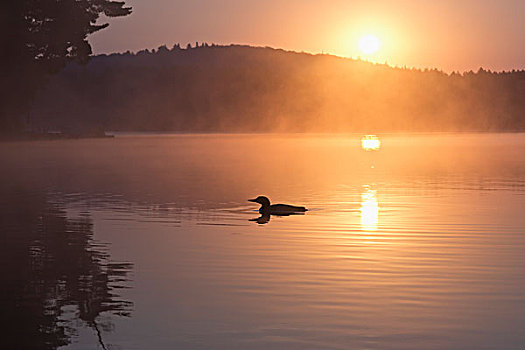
(369, 44)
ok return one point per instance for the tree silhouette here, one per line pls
(38, 38)
(245, 89)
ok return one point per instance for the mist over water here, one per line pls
(418, 245)
(253, 89)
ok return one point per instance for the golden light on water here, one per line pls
(370, 143)
(369, 209)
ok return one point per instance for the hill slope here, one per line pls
(246, 89)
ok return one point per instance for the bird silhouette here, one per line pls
(276, 209)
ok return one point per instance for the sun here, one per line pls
(369, 44)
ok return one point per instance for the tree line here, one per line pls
(213, 88)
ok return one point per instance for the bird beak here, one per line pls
(252, 200)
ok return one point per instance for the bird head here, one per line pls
(262, 200)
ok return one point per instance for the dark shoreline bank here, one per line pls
(51, 137)
(113, 134)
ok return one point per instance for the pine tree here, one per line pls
(37, 39)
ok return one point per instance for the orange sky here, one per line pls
(449, 35)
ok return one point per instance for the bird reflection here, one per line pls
(263, 219)
(267, 210)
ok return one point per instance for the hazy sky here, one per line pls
(446, 34)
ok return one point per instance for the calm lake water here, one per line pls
(145, 242)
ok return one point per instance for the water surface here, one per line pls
(144, 242)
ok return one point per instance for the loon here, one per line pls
(276, 209)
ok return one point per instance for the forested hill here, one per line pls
(248, 89)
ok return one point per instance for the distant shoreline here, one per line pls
(117, 134)
(356, 133)
(50, 137)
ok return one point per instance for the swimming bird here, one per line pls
(276, 209)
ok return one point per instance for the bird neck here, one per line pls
(265, 208)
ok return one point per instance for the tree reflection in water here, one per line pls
(51, 265)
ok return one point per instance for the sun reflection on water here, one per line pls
(370, 143)
(369, 209)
